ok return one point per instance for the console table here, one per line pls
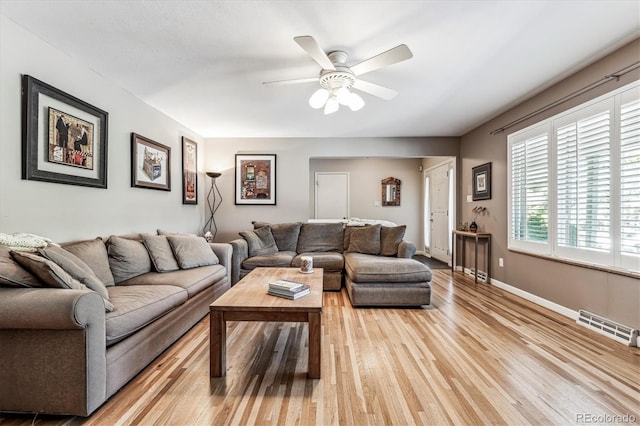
(476, 236)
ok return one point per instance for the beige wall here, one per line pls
(67, 212)
(610, 295)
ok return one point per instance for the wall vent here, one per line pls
(619, 332)
(482, 276)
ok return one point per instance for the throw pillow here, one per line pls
(47, 271)
(191, 252)
(285, 234)
(127, 258)
(160, 252)
(79, 270)
(390, 238)
(94, 254)
(13, 274)
(365, 240)
(260, 241)
(321, 237)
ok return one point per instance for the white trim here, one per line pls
(536, 299)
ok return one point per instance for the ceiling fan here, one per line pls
(336, 78)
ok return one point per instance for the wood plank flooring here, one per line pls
(478, 355)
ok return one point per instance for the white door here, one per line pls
(332, 195)
(439, 215)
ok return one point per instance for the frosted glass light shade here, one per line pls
(355, 102)
(331, 106)
(319, 98)
(342, 95)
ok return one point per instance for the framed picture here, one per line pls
(256, 179)
(482, 182)
(189, 171)
(64, 139)
(150, 164)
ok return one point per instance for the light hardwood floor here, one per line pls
(478, 355)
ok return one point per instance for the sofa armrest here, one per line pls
(223, 252)
(240, 253)
(406, 249)
(50, 337)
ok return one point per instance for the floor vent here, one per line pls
(619, 332)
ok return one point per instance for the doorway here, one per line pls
(439, 196)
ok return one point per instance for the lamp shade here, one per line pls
(319, 98)
(331, 106)
(214, 174)
(355, 102)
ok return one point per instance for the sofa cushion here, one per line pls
(160, 252)
(281, 259)
(78, 270)
(285, 234)
(260, 241)
(365, 268)
(127, 258)
(193, 280)
(137, 306)
(94, 254)
(365, 240)
(329, 261)
(390, 239)
(13, 274)
(47, 271)
(192, 252)
(321, 237)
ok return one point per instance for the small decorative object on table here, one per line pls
(306, 265)
(288, 289)
(477, 211)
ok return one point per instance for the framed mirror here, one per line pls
(390, 191)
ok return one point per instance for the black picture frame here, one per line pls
(150, 164)
(482, 182)
(38, 99)
(255, 179)
(189, 171)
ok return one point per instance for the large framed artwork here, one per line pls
(189, 171)
(64, 139)
(482, 182)
(256, 179)
(150, 164)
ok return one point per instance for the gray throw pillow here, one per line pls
(285, 234)
(191, 252)
(79, 270)
(321, 237)
(94, 254)
(160, 252)
(127, 258)
(390, 238)
(260, 241)
(47, 271)
(13, 274)
(365, 240)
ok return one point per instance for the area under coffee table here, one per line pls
(248, 300)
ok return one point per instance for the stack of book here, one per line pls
(288, 289)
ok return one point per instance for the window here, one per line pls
(574, 183)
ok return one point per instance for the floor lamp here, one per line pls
(210, 228)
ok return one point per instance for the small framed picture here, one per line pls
(256, 179)
(189, 171)
(150, 164)
(482, 182)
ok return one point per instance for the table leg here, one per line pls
(315, 345)
(475, 265)
(217, 344)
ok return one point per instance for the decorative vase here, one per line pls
(473, 227)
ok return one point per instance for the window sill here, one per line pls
(608, 269)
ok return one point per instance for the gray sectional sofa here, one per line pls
(374, 262)
(77, 322)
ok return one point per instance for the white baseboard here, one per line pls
(422, 253)
(536, 299)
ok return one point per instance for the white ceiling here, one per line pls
(203, 62)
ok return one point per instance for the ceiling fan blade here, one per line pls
(311, 46)
(391, 56)
(375, 90)
(296, 81)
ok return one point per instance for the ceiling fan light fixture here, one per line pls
(319, 98)
(331, 106)
(343, 95)
(355, 102)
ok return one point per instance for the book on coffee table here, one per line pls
(296, 293)
(285, 285)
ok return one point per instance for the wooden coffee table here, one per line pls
(248, 300)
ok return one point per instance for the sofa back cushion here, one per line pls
(160, 252)
(285, 234)
(321, 237)
(260, 242)
(390, 238)
(365, 240)
(94, 254)
(191, 252)
(127, 258)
